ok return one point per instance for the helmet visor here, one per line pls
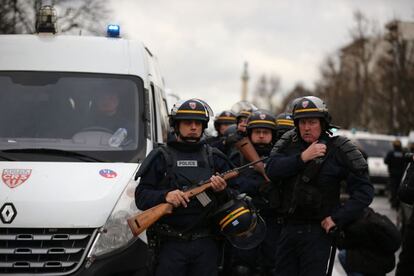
(252, 238)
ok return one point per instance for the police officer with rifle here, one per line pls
(309, 165)
(261, 131)
(184, 241)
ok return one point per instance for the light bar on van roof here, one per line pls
(113, 30)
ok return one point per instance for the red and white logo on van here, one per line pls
(108, 173)
(15, 177)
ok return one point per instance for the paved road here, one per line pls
(382, 206)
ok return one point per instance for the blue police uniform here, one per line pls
(303, 247)
(265, 197)
(396, 163)
(188, 245)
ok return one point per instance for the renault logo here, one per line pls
(7, 213)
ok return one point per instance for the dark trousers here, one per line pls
(263, 256)
(394, 184)
(188, 258)
(405, 264)
(302, 249)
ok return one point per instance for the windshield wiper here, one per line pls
(47, 151)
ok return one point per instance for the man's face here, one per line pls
(310, 129)
(108, 104)
(222, 128)
(261, 136)
(190, 128)
(242, 124)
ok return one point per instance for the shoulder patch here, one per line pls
(353, 157)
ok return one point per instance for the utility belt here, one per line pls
(166, 232)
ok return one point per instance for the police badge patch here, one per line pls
(15, 177)
(192, 105)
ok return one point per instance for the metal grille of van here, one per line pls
(43, 250)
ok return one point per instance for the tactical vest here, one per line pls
(302, 197)
(184, 170)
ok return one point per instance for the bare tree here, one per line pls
(333, 90)
(348, 78)
(358, 62)
(88, 16)
(298, 91)
(266, 91)
(396, 77)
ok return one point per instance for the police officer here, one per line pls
(396, 167)
(261, 130)
(233, 134)
(405, 264)
(284, 123)
(186, 243)
(310, 165)
(243, 109)
(222, 122)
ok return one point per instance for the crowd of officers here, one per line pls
(279, 216)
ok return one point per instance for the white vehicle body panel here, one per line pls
(65, 194)
(59, 195)
(71, 54)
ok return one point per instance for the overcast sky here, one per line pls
(202, 45)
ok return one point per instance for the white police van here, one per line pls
(68, 155)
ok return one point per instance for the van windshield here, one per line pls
(95, 115)
(375, 147)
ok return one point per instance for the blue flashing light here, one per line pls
(113, 30)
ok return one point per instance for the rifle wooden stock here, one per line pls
(248, 151)
(141, 221)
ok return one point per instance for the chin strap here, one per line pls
(189, 139)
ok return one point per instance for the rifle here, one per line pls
(246, 148)
(141, 221)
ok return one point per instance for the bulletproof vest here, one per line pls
(300, 195)
(397, 163)
(186, 169)
(406, 189)
(189, 168)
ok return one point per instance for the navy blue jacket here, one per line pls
(153, 188)
(285, 165)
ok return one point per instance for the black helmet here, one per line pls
(193, 109)
(225, 117)
(284, 121)
(261, 119)
(311, 107)
(239, 222)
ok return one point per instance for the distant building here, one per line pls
(367, 63)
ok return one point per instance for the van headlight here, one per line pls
(115, 233)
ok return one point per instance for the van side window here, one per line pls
(154, 115)
(163, 115)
